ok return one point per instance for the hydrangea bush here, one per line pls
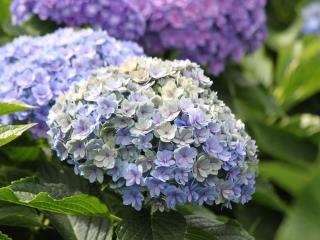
(155, 132)
(35, 70)
(206, 31)
(311, 18)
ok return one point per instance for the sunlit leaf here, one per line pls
(9, 133)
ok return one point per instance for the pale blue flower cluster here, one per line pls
(35, 70)
(155, 132)
(311, 18)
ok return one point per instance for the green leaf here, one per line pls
(278, 40)
(201, 228)
(291, 178)
(259, 67)
(190, 209)
(5, 12)
(261, 222)
(303, 220)
(303, 125)
(9, 133)
(12, 107)
(19, 216)
(282, 144)
(9, 174)
(52, 197)
(81, 228)
(4, 236)
(301, 84)
(265, 195)
(22, 153)
(159, 226)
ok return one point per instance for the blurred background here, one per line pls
(276, 92)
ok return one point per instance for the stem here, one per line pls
(114, 218)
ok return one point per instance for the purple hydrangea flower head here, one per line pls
(121, 18)
(36, 73)
(196, 152)
(206, 31)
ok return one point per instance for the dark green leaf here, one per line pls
(81, 228)
(9, 133)
(22, 153)
(201, 228)
(52, 197)
(291, 178)
(19, 216)
(159, 226)
(9, 174)
(261, 222)
(265, 195)
(284, 145)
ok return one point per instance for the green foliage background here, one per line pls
(276, 91)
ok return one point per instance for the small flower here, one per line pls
(61, 150)
(183, 137)
(201, 135)
(77, 148)
(214, 149)
(162, 173)
(182, 121)
(185, 156)
(169, 110)
(104, 157)
(128, 108)
(164, 158)
(92, 173)
(143, 142)
(145, 110)
(107, 105)
(123, 137)
(155, 186)
(174, 196)
(118, 170)
(167, 131)
(205, 166)
(197, 118)
(82, 128)
(132, 196)
(141, 127)
(181, 175)
(170, 91)
(192, 193)
(206, 195)
(133, 175)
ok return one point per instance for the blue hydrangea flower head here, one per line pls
(35, 70)
(158, 136)
(311, 18)
(208, 32)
